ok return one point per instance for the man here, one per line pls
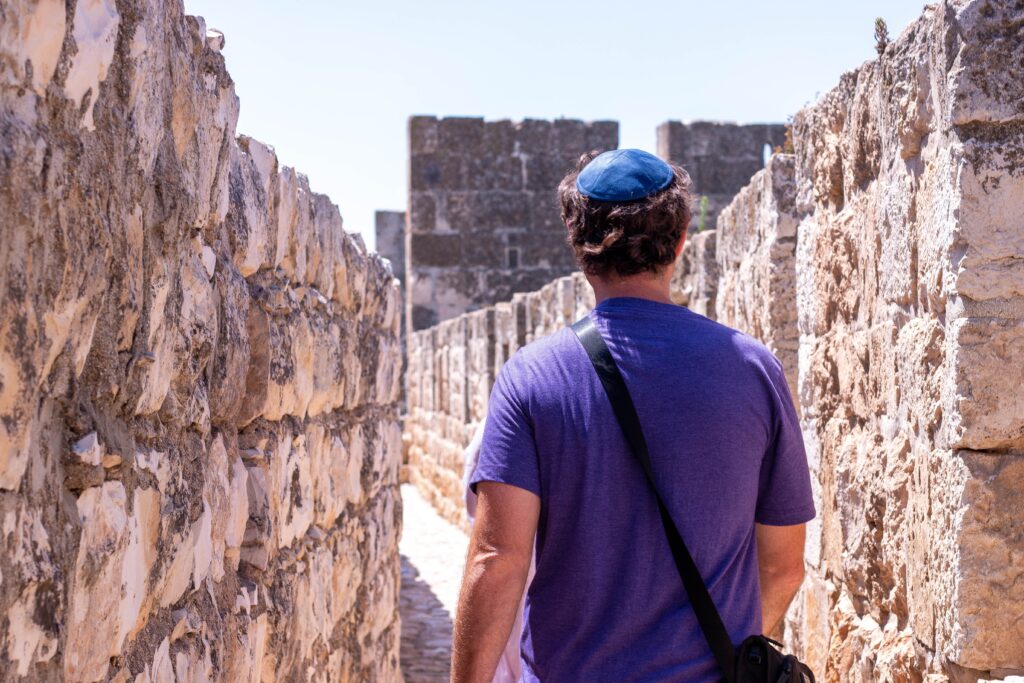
(555, 471)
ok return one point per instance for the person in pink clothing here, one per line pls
(509, 667)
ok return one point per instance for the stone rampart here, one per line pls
(720, 158)
(755, 290)
(695, 280)
(451, 369)
(199, 369)
(881, 262)
(910, 297)
(483, 212)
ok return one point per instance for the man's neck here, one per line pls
(643, 286)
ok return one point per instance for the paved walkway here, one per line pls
(433, 554)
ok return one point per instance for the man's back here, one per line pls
(606, 603)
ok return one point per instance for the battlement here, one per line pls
(483, 216)
(720, 157)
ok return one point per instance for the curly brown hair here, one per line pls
(625, 238)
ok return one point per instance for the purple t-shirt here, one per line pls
(606, 603)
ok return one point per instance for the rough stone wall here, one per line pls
(756, 252)
(905, 195)
(483, 216)
(199, 438)
(695, 280)
(910, 293)
(720, 158)
(451, 369)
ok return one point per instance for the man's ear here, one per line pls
(679, 247)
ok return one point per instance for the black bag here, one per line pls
(757, 658)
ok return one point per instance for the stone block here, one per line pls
(249, 217)
(423, 134)
(231, 362)
(546, 212)
(602, 136)
(422, 212)
(569, 136)
(199, 299)
(425, 172)
(534, 137)
(983, 90)
(501, 173)
(986, 409)
(437, 250)
(460, 135)
(547, 249)
(94, 613)
(981, 561)
(499, 139)
(545, 171)
(475, 211)
(695, 279)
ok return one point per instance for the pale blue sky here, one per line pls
(331, 83)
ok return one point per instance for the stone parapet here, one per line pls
(881, 263)
(483, 212)
(910, 303)
(695, 279)
(452, 367)
(199, 375)
(755, 255)
(720, 158)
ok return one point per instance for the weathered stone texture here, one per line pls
(199, 370)
(483, 213)
(755, 252)
(881, 263)
(451, 369)
(720, 158)
(910, 188)
(695, 280)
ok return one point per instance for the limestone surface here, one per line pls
(199, 375)
(755, 254)
(695, 279)
(910, 188)
(720, 158)
(451, 369)
(483, 216)
(882, 264)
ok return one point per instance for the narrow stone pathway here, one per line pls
(433, 553)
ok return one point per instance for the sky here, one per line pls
(330, 84)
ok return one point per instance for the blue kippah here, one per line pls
(623, 175)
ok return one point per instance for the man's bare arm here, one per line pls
(780, 564)
(498, 563)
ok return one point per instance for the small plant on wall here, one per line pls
(881, 35)
(702, 215)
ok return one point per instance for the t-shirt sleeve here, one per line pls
(784, 494)
(508, 452)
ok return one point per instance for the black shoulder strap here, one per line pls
(703, 606)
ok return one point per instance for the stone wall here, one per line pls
(199, 439)
(910, 297)
(451, 369)
(720, 158)
(755, 287)
(483, 216)
(695, 280)
(883, 260)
